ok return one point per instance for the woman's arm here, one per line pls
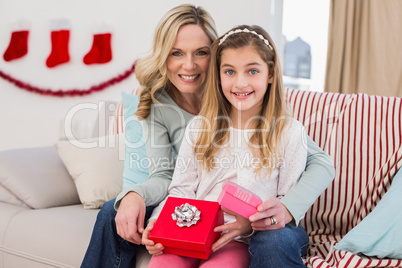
(163, 131)
(131, 202)
(159, 159)
(184, 185)
(185, 179)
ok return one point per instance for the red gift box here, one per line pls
(194, 241)
(238, 199)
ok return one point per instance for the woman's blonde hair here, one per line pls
(151, 72)
(216, 109)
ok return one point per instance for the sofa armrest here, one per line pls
(37, 178)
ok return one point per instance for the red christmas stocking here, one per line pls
(18, 46)
(101, 51)
(59, 52)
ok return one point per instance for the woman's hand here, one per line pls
(153, 249)
(262, 220)
(240, 227)
(130, 218)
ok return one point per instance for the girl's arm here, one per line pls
(317, 176)
(293, 156)
(153, 249)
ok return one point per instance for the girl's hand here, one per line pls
(240, 227)
(130, 218)
(153, 249)
(261, 221)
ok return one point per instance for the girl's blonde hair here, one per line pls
(216, 109)
(151, 72)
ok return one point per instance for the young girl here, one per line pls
(243, 134)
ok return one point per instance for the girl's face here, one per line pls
(188, 61)
(244, 80)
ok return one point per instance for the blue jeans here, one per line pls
(278, 248)
(106, 248)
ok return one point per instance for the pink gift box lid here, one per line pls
(241, 193)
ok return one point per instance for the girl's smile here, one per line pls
(241, 95)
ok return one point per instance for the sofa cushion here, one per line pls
(54, 237)
(116, 125)
(96, 166)
(380, 233)
(363, 135)
(8, 212)
(124, 121)
(37, 177)
(9, 198)
(135, 166)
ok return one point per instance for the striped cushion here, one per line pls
(363, 136)
(117, 124)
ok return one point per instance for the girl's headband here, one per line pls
(245, 30)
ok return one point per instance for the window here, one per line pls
(305, 34)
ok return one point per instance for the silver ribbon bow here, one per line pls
(186, 215)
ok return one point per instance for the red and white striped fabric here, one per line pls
(116, 126)
(117, 123)
(363, 135)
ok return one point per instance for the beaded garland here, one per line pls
(70, 92)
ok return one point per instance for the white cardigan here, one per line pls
(232, 162)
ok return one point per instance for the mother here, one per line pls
(172, 80)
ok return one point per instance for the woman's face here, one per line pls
(188, 61)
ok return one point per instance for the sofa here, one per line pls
(50, 196)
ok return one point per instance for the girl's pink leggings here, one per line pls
(234, 254)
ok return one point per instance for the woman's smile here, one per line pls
(189, 78)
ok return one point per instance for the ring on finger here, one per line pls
(273, 221)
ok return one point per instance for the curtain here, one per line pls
(365, 47)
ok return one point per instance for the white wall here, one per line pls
(28, 119)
